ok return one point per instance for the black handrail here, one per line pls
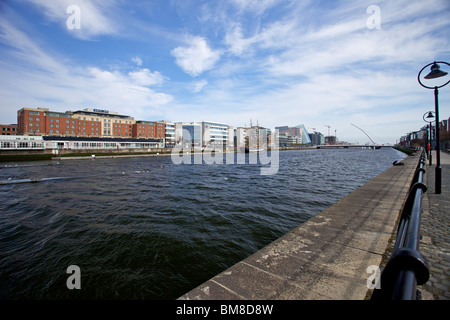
(406, 268)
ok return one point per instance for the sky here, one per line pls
(324, 64)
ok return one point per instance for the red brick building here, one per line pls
(8, 129)
(149, 129)
(86, 123)
(49, 123)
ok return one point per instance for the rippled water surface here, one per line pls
(145, 228)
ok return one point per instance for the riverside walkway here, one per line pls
(330, 255)
(435, 231)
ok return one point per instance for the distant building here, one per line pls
(317, 138)
(86, 123)
(299, 134)
(170, 133)
(204, 134)
(291, 131)
(330, 140)
(8, 129)
(16, 142)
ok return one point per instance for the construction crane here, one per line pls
(328, 129)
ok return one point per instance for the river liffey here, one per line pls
(147, 228)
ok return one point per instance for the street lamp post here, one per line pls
(430, 118)
(436, 72)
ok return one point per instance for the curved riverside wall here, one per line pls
(328, 256)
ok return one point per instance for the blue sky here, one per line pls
(275, 62)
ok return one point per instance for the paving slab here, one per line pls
(435, 231)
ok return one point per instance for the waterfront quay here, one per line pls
(334, 255)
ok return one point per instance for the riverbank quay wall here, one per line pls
(332, 256)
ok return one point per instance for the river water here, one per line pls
(146, 228)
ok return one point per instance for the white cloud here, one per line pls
(145, 77)
(33, 77)
(127, 94)
(199, 85)
(137, 60)
(197, 57)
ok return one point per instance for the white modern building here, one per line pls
(17, 142)
(254, 137)
(204, 134)
(169, 134)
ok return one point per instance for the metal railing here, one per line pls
(406, 267)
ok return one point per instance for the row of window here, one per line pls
(92, 123)
(57, 120)
(21, 145)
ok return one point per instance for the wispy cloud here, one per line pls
(255, 6)
(137, 60)
(33, 76)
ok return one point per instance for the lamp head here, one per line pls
(435, 72)
(430, 115)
